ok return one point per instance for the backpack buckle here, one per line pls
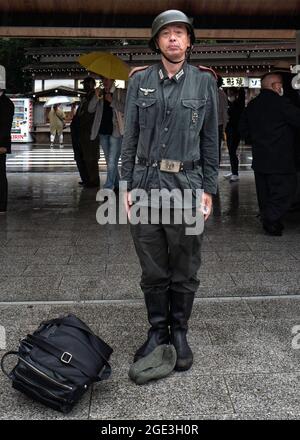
(66, 357)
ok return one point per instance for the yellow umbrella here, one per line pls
(105, 64)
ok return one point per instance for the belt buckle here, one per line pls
(170, 166)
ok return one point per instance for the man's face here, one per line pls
(107, 83)
(88, 86)
(277, 85)
(173, 40)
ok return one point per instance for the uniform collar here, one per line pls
(162, 74)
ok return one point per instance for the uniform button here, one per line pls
(168, 112)
(164, 145)
(143, 104)
(166, 129)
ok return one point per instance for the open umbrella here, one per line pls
(58, 100)
(105, 64)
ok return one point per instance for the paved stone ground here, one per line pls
(55, 258)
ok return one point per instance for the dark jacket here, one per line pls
(270, 122)
(188, 132)
(6, 118)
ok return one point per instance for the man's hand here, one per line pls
(127, 202)
(3, 150)
(206, 205)
(108, 97)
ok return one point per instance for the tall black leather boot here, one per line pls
(158, 309)
(181, 305)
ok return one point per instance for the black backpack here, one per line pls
(58, 362)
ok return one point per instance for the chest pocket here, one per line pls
(192, 114)
(147, 112)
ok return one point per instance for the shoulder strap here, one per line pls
(137, 69)
(208, 69)
(9, 353)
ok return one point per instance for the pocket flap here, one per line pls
(193, 103)
(145, 102)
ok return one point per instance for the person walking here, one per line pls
(236, 106)
(270, 122)
(89, 119)
(57, 123)
(6, 119)
(170, 142)
(112, 130)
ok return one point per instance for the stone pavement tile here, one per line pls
(285, 265)
(209, 257)
(20, 235)
(90, 259)
(256, 257)
(277, 245)
(229, 266)
(83, 287)
(44, 242)
(96, 249)
(8, 269)
(218, 292)
(295, 254)
(257, 332)
(56, 251)
(91, 240)
(63, 234)
(120, 254)
(34, 259)
(14, 405)
(265, 393)
(65, 269)
(105, 313)
(239, 358)
(277, 308)
(229, 247)
(123, 281)
(16, 250)
(216, 280)
(23, 314)
(280, 415)
(35, 288)
(162, 399)
(221, 310)
(264, 279)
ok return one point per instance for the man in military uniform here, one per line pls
(170, 142)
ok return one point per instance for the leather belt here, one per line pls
(186, 165)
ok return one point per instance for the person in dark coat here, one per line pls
(89, 115)
(236, 105)
(270, 122)
(6, 119)
(78, 154)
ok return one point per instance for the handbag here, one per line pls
(58, 362)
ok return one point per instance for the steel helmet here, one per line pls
(169, 17)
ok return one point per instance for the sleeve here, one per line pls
(131, 132)
(209, 140)
(291, 113)
(93, 104)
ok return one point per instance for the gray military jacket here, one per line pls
(185, 131)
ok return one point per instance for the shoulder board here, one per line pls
(208, 69)
(136, 69)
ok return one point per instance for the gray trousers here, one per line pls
(169, 258)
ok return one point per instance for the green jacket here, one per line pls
(185, 131)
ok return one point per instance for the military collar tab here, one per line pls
(162, 75)
(179, 75)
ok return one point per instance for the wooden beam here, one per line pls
(136, 33)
